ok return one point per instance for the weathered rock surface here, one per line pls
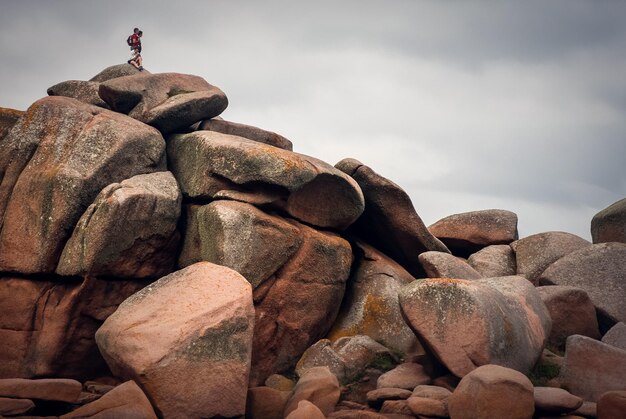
(407, 376)
(266, 403)
(129, 231)
(306, 410)
(444, 265)
(572, 313)
(77, 149)
(15, 407)
(124, 401)
(288, 320)
(616, 336)
(210, 164)
(472, 323)
(376, 398)
(592, 368)
(167, 101)
(8, 118)
(320, 387)
(432, 408)
(492, 391)
(356, 414)
(246, 131)
(612, 405)
(555, 400)
(346, 358)
(390, 222)
(55, 389)
(609, 225)
(469, 232)
(84, 91)
(371, 306)
(240, 236)
(599, 270)
(535, 253)
(169, 337)
(494, 260)
(47, 327)
(118, 70)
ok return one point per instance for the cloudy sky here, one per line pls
(466, 105)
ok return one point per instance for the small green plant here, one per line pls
(544, 372)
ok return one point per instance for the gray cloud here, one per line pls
(466, 105)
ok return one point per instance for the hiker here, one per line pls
(136, 60)
(134, 40)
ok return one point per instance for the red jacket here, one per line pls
(135, 41)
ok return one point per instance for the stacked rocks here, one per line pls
(157, 260)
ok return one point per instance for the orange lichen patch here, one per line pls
(449, 281)
(373, 322)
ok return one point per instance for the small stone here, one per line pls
(54, 389)
(612, 405)
(432, 392)
(406, 376)
(14, 407)
(428, 407)
(280, 382)
(616, 336)
(396, 406)
(555, 400)
(266, 403)
(319, 386)
(376, 398)
(306, 410)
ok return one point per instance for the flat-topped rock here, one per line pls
(246, 131)
(54, 389)
(469, 232)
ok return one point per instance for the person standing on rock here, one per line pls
(134, 40)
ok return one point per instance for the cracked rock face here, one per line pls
(472, 323)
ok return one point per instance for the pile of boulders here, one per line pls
(157, 260)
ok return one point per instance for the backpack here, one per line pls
(129, 40)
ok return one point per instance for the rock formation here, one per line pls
(157, 260)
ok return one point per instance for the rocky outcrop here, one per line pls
(495, 260)
(472, 323)
(444, 265)
(469, 232)
(172, 335)
(572, 313)
(129, 231)
(77, 150)
(84, 91)
(209, 165)
(118, 70)
(492, 391)
(371, 306)
(591, 368)
(246, 131)
(167, 101)
(609, 225)
(47, 327)
(599, 270)
(390, 222)
(535, 253)
(288, 320)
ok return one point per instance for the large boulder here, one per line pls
(124, 401)
(85, 91)
(492, 391)
(444, 265)
(288, 319)
(599, 270)
(77, 149)
(129, 231)
(210, 164)
(535, 253)
(47, 327)
(371, 306)
(572, 313)
(390, 222)
(186, 340)
(240, 236)
(609, 225)
(117, 70)
(494, 260)
(167, 101)
(469, 232)
(591, 368)
(246, 131)
(472, 323)
(8, 118)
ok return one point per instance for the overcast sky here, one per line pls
(465, 105)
